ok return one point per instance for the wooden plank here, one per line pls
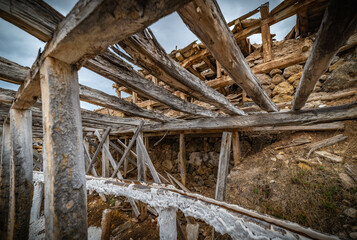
(291, 118)
(266, 38)
(65, 189)
(182, 157)
(149, 54)
(5, 183)
(21, 176)
(340, 19)
(205, 19)
(223, 165)
(127, 150)
(236, 148)
(114, 68)
(99, 148)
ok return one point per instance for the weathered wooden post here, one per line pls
(36, 202)
(5, 180)
(65, 187)
(105, 159)
(182, 156)
(266, 38)
(236, 148)
(141, 174)
(224, 157)
(21, 173)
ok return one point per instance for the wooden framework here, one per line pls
(47, 102)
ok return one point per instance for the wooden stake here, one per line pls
(224, 157)
(21, 173)
(5, 172)
(236, 148)
(65, 189)
(106, 224)
(182, 156)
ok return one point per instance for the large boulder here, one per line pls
(289, 71)
(277, 79)
(283, 88)
(264, 79)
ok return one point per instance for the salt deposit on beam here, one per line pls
(238, 222)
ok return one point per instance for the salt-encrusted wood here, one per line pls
(21, 173)
(65, 189)
(5, 174)
(36, 202)
(238, 222)
(114, 68)
(338, 24)
(167, 222)
(224, 157)
(204, 18)
(149, 54)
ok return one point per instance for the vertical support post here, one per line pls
(223, 165)
(219, 69)
(182, 156)
(141, 175)
(167, 222)
(21, 175)
(5, 172)
(106, 224)
(236, 148)
(36, 202)
(135, 97)
(126, 160)
(65, 186)
(266, 38)
(105, 159)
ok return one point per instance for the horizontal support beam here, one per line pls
(320, 115)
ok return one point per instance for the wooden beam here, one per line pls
(120, 72)
(35, 17)
(339, 19)
(205, 19)
(182, 157)
(266, 38)
(105, 100)
(12, 72)
(223, 165)
(319, 115)
(149, 54)
(21, 175)
(236, 148)
(5, 183)
(65, 189)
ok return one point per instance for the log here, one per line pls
(106, 224)
(339, 19)
(5, 183)
(291, 118)
(149, 55)
(65, 189)
(329, 156)
(326, 142)
(21, 174)
(223, 165)
(204, 18)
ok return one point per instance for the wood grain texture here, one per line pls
(21, 174)
(150, 55)
(338, 24)
(224, 157)
(65, 189)
(204, 18)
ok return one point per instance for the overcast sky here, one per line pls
(20, 47)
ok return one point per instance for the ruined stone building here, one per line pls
(222, 139)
